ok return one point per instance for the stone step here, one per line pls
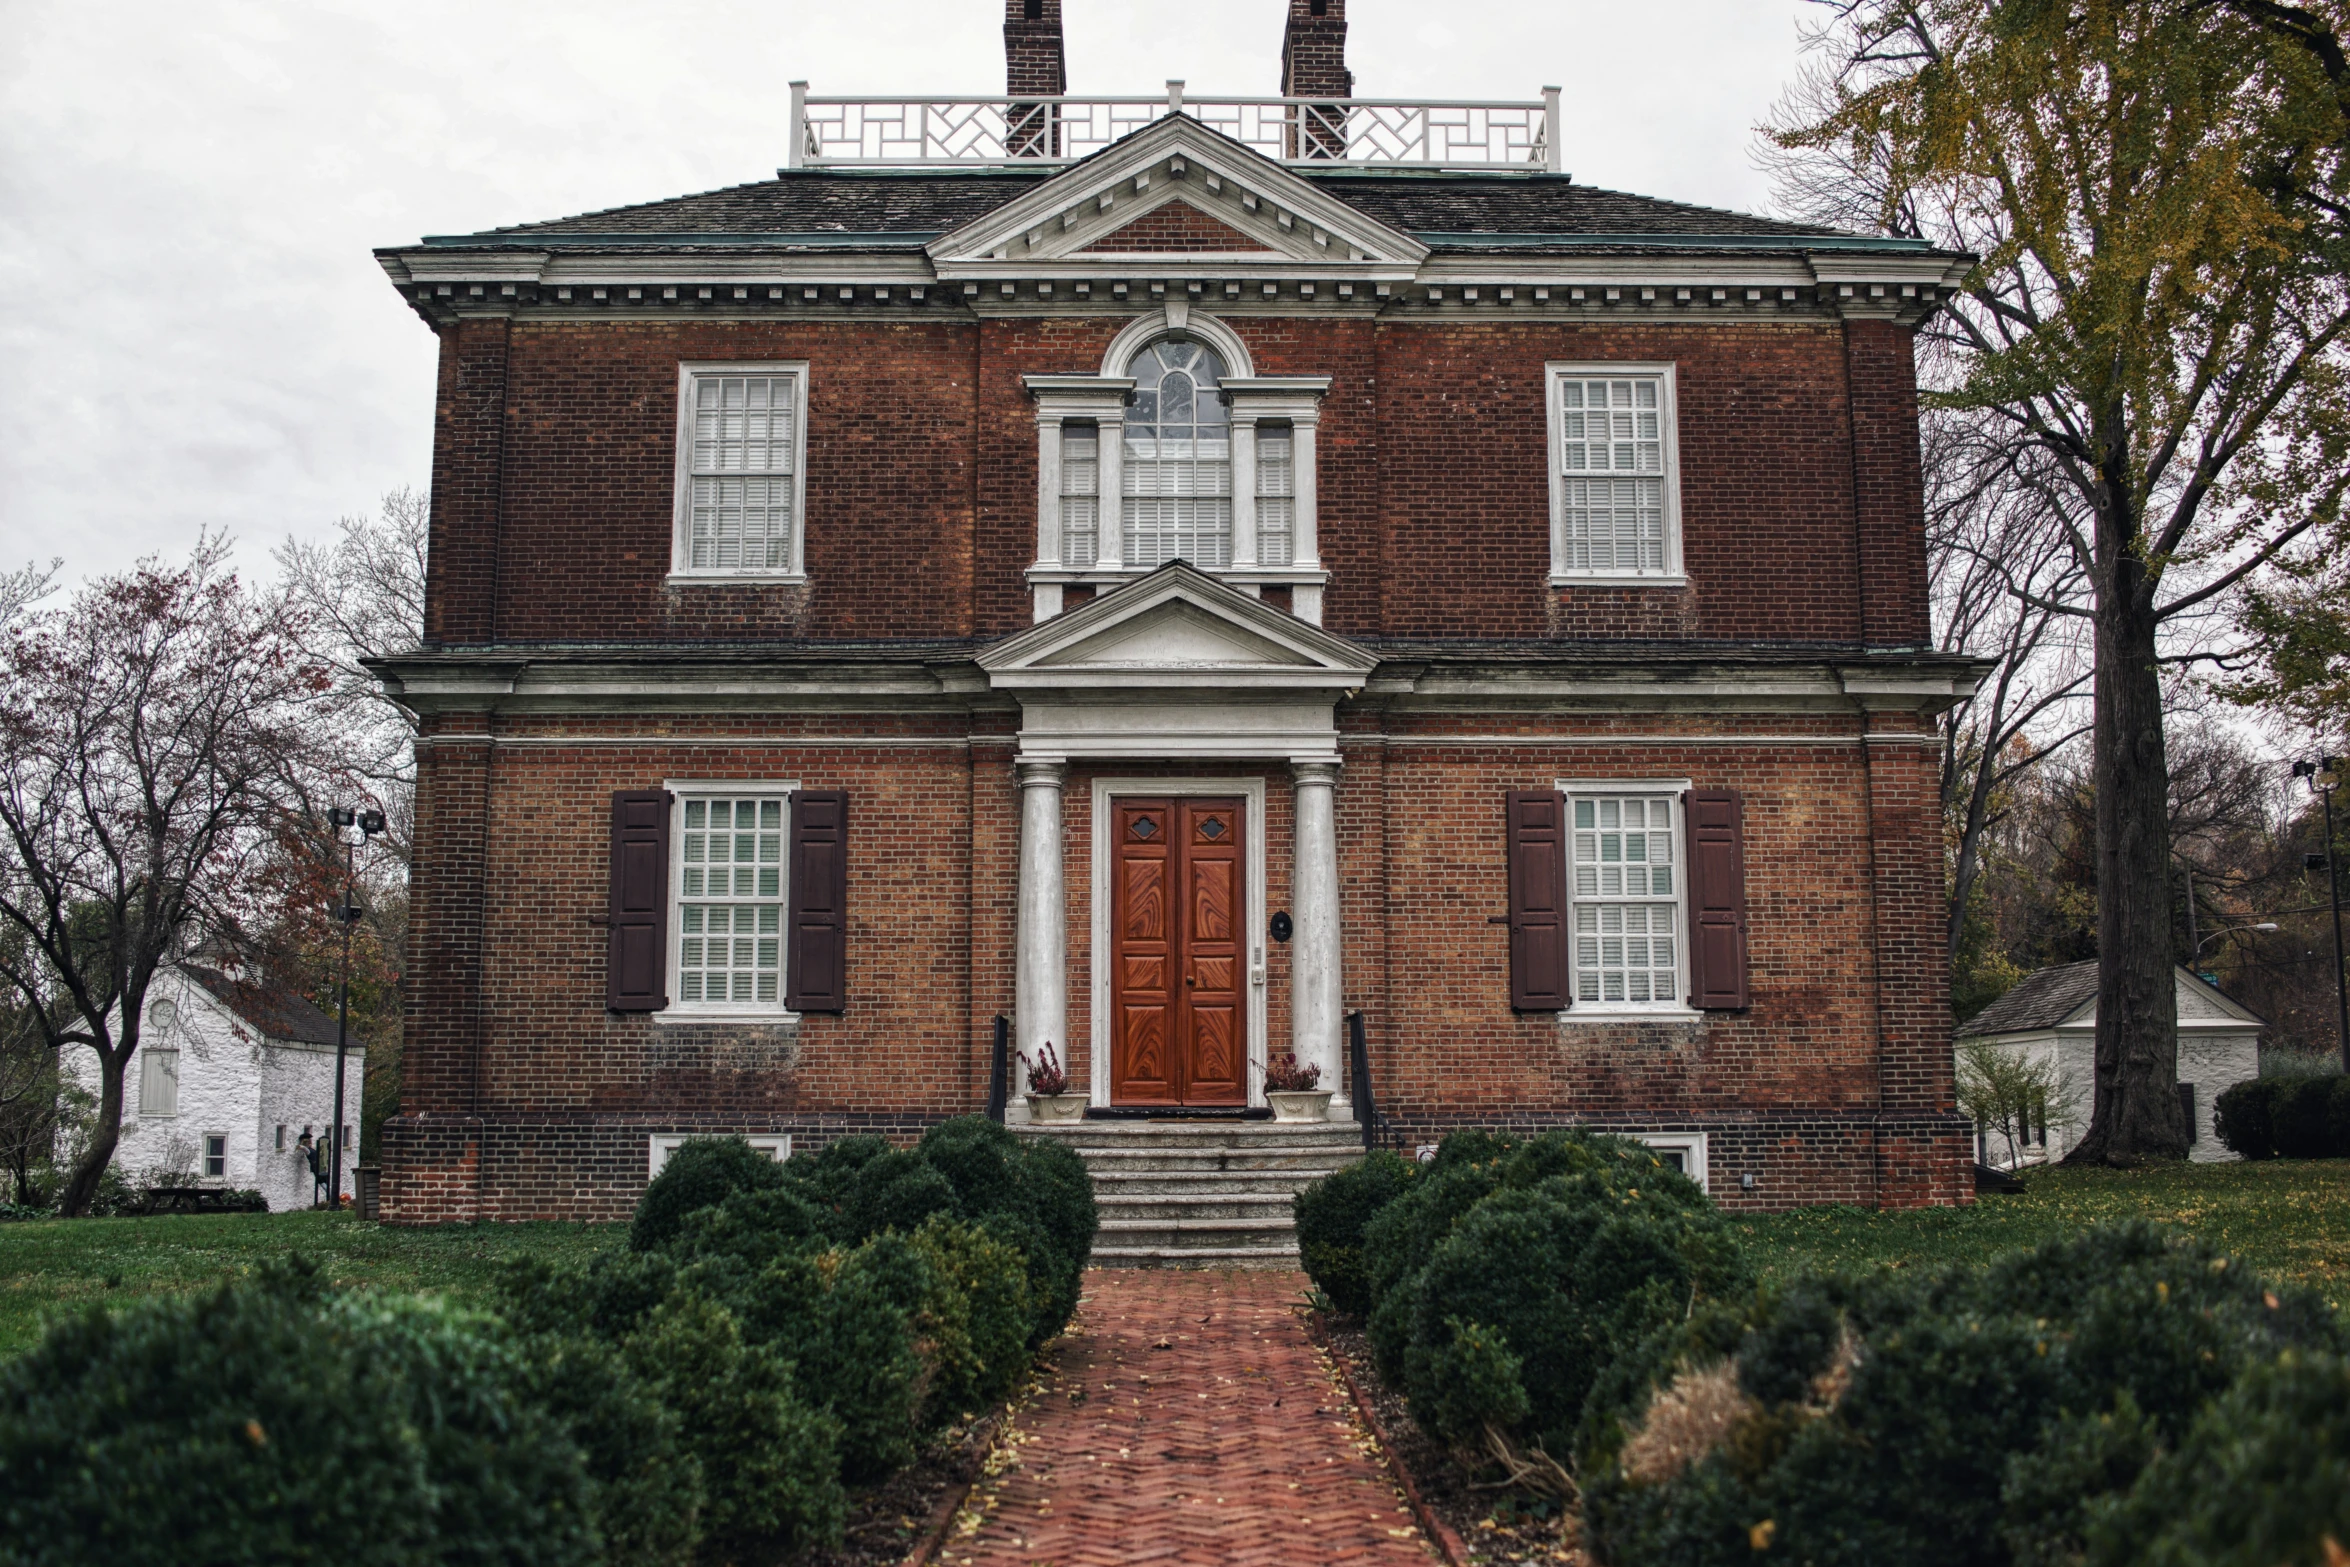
(1195, 1205)
(1198, 1134)
(1285, 1182)
(1195, 1257)
(1307, 1163)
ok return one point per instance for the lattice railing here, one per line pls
(936, 132)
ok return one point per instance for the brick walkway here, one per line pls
(1188, 1420)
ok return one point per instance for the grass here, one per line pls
(2289, 1219)
(49, 1265)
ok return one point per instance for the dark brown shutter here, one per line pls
(1717, 899)
(636, 968)
(816, 970)
(1538, 902)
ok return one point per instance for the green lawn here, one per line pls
(2290, 1219)
(50, 1264)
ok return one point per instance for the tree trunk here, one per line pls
(2134, 1116)
(82, 1188)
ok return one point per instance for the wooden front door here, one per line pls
(1179, 1034)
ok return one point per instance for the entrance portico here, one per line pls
(1178, 668)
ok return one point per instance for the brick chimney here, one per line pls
(1032, 49)
(1313, 51)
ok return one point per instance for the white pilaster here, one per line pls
(1306, 555)
(1041, 972)
(1316, 986)
(1110, 553)
(1244, 495)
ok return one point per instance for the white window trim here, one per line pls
(1669, 407)
(1692, 1148)
(1675, 1011)
(204, 1143)
(660, 1145)
(681, 522)
(680, 1010)
(1294, 400)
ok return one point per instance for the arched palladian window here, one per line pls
(1176, 472)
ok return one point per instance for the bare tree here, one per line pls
(151, 733)
(2157, 314)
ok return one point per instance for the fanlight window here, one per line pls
(1176, 473)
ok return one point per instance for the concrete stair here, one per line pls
(1201, 1194)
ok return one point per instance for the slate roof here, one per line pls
(903, 209)
(2042, 999)
(271, 1012)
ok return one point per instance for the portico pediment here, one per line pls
(1177, 194)
(1177, 629)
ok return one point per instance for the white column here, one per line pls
(1244, 496)
(1109, 554)
(1316, 987)
(1048, 511)
(1041, 973)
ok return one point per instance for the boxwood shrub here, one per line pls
(1969, 1416)
(1505, 1279)
(1331, 1215)
(255, 1422)
(2298, 1117)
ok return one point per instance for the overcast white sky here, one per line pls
(197, 335)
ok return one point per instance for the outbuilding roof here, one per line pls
(2067, 993)
(271, 1012)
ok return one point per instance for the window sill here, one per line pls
(1604, 1012)
(1623, 580)
(679, 1015)
(735, 579)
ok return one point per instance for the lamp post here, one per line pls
(369, 823)
(2323, 774)
(2228, 930)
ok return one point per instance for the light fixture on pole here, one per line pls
(2323, 774)
(369, 823)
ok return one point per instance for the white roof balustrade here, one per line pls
(1049, 132)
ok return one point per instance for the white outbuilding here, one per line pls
(232, 1082)
(2051, 1015)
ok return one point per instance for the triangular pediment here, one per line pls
(1174, 227)
(1177, 627)
(1175, 184)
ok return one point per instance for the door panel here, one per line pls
(1177, 912)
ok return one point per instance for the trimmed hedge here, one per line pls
(253, 1423)
(2005, 1414)
(1505, 1278)
(1331, 1214)
(2306, 1117)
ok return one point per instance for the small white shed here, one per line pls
(2052, 1014)
(228, 1077)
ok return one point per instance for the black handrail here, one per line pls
(1358, 1067)
(999, 1069)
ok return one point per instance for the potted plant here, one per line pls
(1289, 1087)
(1049, 1098)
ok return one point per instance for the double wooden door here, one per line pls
(1178, 1022)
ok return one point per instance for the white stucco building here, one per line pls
(2052, 1015)
(228, 1077)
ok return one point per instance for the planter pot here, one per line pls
(1311, 1104)
(1056, 1107)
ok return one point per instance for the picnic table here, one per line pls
(196, 1199)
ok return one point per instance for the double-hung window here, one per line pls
(1627, 891)
(741, 472)
(1615, 480)
(730, 899)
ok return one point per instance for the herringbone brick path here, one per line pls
(1188, 1420)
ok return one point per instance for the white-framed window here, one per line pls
(1615, 489)
(1627, 893)
(1684, 1151)
(661, 1145)
(1081, 494)
(215, 1156)
(1175, 491)
(159, 1080)
(730, 890)
(741, 471)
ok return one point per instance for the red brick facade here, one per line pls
(566, 660)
